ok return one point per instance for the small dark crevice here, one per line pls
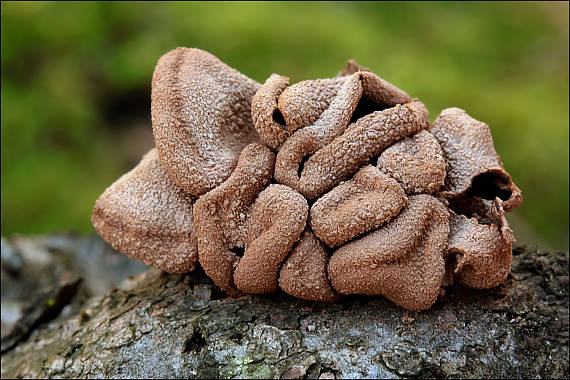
(279, 119)
(324, 369)
(433, 371)
(71, 350)
(488, 186)
(194, 344)
(302, 165)
(468, 207)
(474, 207)
(477, 200)
(374, 160)
(314, 371)
(239, 251)
(366, 106)
(311, 202)
(451, 260)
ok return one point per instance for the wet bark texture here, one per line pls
(157, 325)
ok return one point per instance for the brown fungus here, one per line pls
(483, 251)
(416, 162)
(354, 207)
(361, 94)
(362, 141)
(304, 273)
(201, 117)
(403, 261)
(474, 169)
(303, 103)
(351, 67)
(146, 216)
(222, 215)
(279, 110)
(208, 121)
(277, 219)
(267, 118)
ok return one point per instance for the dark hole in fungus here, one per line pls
(373, 160)
(366, 106)
(239, 251)
(470, 207)
(194, 344)
(451, 260)
(279, 119)
(488, 186)
(474, 202)
(302, 165)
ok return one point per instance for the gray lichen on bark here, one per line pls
(160, 325)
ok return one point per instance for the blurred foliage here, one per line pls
(76, 86)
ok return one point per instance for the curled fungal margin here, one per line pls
(402, 261)
(354, 207)
(146, 216)
(394, 239)
(304, 273)
(484, 250)
(474, 167)
(201, 117)
(361, 141)
(221, 215)
(278, 217)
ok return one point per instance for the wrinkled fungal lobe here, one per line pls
(321, 188)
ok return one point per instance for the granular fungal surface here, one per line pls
(323, 188)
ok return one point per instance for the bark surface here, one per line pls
(157, 325)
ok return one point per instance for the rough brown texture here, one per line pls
(351, 67)
(278, 217)
(361, 141)
(222, 215)
(380, 93)
(402, 261)
(307, 141)
(362, 89)
(416, 162)
(279, 110)
(304, 273)
(303, 103)
(176, 326)
(325, 131)
(201, 117)
(263, 111)
(354, 207)
(484, 249)
(474, 168)
(147, 217)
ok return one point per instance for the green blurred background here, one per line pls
(76, 87)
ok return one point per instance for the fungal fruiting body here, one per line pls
(322, 188)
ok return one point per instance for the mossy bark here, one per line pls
(163, 326)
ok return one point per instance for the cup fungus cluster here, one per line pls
(322, 188)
